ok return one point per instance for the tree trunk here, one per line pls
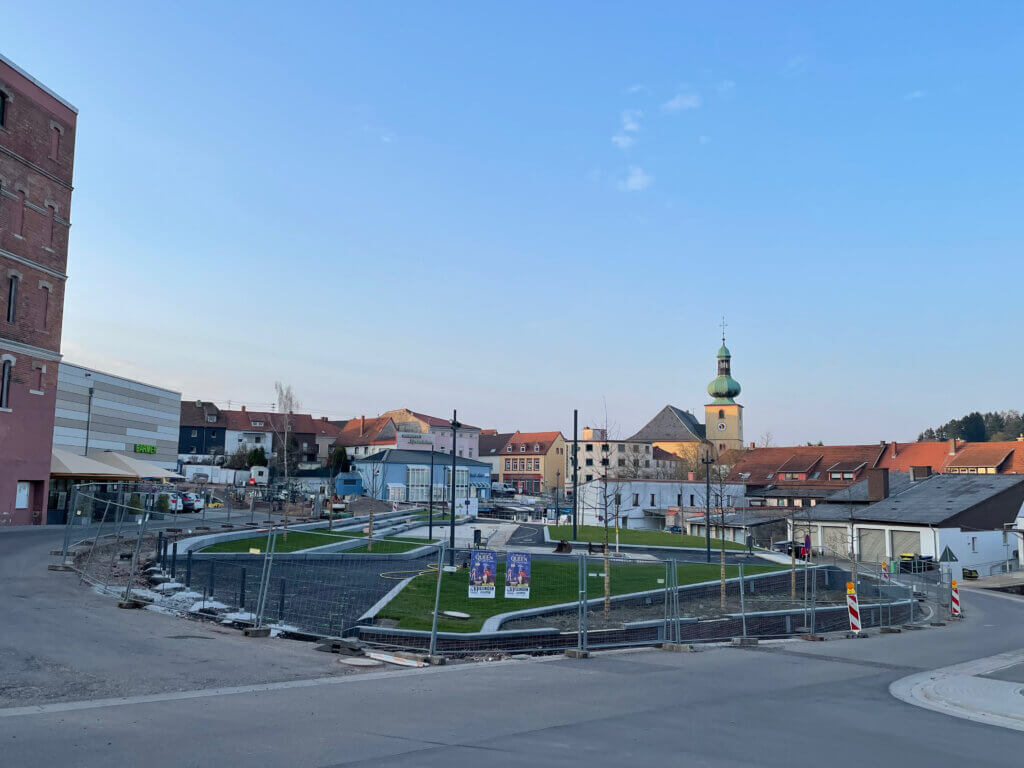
(792, 561)
(721, 533)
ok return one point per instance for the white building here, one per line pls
(651, 504)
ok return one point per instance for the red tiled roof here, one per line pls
(982, 455)
(544, 439)
(900, 457)
(754, 466)
(298, 423)
(430, 421)
(361, 432)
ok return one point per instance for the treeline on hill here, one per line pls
(979, 427)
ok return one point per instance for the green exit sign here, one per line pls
(140, 448)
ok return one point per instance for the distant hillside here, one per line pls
(979, 427)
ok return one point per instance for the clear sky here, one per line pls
(517, 209)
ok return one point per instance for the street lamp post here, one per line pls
(451, 533)
(707, 461)
(430, 497)
(575, 474)
(558, 476)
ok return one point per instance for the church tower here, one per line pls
(723, 416)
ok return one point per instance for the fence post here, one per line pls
(261, 600)
(174, 560)
(743, 604)
(95, 542)
(160, 548)
(280, 604)
(437, 599)
(584, 639)
(188, 568)
(241, 591)
(668, 585)
(213, 566)
(135, 556)
(113, 553)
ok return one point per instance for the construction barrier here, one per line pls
(852, 607)
(954, 601)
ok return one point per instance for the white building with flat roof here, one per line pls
(99, 411)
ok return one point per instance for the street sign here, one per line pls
(947, 556)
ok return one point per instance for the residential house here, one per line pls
(492, 443)
(651, 504)
(467, 438)
(956, 457)
(957, 519)
(202, 430)
(534, 462)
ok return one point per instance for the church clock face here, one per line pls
(721, 426)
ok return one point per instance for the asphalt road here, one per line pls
(788, 704)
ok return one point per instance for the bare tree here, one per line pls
(767, 439)
(281, 425)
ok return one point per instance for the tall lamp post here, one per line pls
(558, 476)
(707, 461)
(430, 496)
(451, 533)
(575, 474)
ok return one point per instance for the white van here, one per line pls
(502, 489)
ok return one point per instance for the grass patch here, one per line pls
(296, 540)
(595, 533)
(552, 583)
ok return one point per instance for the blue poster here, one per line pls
(517, 575)
(483, 570)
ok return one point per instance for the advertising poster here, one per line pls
(483, 569)
(517, 575)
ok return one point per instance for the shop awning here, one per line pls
(67, 464)
(144, 470)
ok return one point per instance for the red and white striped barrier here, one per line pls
(852, 607)
(954, 601)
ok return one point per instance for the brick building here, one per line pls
(37, 141)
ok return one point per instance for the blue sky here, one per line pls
(516, 210)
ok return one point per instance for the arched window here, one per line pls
(5, 382)
(12, 295)
(3, 109)
(721, 413)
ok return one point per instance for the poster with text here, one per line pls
(517, 575)
(483, 569)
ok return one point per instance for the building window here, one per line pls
(5, 382)
(621, 448)
(636, 499)
(508, 463)
(522, 448)
(54, 141)
(12, 297)
(3, 109)
(589, 462)
(589, 478)
(622, 462)
(618, 499)
(679, 499)
(721, 413)
(604, 462)
(53, 223)
(211, 419)
(652, 499)
(195, 433)
(691, 501)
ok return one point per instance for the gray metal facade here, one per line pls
(123, 415)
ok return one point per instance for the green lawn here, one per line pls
(296, 540)
(595, 533)
(390, 546)
(552, 583)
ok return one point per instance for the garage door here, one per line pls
(834, 538)
(802, 529)
(905, 541)
(872, 545)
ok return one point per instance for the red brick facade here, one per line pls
(37, 141)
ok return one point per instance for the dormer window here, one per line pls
(536, 448)
(257, 423)
(211, 419)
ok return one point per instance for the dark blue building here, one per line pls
(201, 430)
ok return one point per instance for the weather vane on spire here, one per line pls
(723, 329)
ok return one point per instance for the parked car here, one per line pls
(503, 489)
(174, 503)
(675, 529)
(788, 547)
(192, 502)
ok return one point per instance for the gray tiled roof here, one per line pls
(671, 424)
(927, 502)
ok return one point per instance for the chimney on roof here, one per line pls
(243, 409)
(323, 418)
(752, 445)
(691, 477)
(878, 484)
(895, 448)
(919, 473)
(362, 424)
(199, 403)
(952, 447)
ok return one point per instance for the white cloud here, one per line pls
(622, 141)
(631, 119)
(636, 180)
(914, 95)
(682, 101)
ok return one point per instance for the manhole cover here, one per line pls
(360, 661)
